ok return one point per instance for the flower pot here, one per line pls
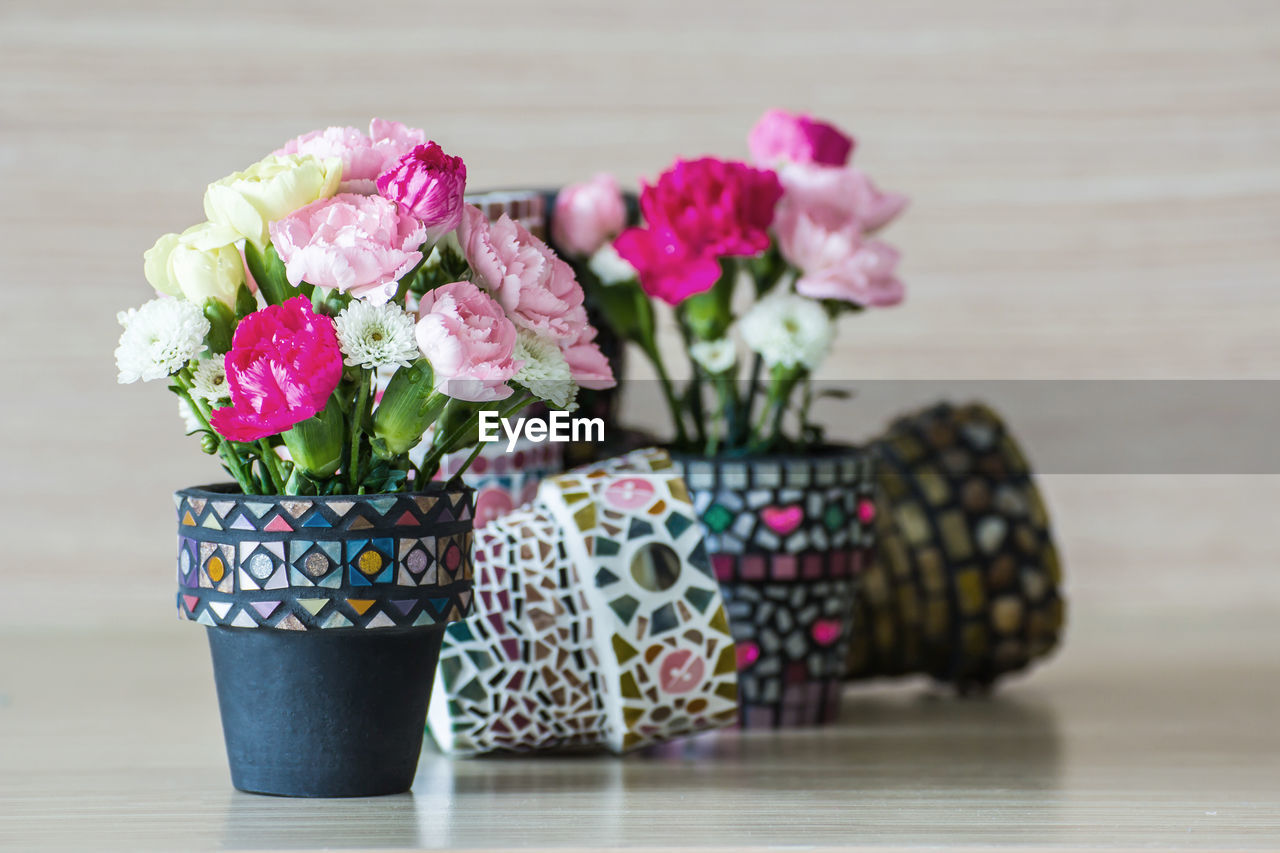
(600, 626)
(788, 537)
(325, 618)
(965, 585)
(502, 479)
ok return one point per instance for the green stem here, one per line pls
(231, 459)
(271, 462)
(357, 424)
(669, 391)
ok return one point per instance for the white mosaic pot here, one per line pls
(598, 621)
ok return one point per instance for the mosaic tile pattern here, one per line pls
(503, 480)
(600, 621)
(966, 583)
(304, 563)
(788, 537)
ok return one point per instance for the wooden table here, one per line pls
(1146, 732)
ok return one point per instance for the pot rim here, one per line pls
(231, 491)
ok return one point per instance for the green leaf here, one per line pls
(222, 325)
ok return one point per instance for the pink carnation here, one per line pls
(698, 212)
(587, 365)
(364, 157)
(780, 136)
(667, 270)
(468, 341)
(354, 243)
(837, 263)
(838, 195)
(283, 364)
(587, 215)
(429, 184)
(537, 289)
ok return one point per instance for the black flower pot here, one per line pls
(325, 618)
(788, 537)
(966, 582)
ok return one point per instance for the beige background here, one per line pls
(1096, 195)
(1096, 190)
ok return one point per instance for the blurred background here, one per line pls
(1095, 185)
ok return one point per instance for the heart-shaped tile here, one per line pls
(826, 631)
(748, 653)
(782, 519)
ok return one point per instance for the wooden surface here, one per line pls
(1096, 194)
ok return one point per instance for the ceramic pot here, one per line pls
(599, 623)
(966, 583)
(788, 537)
(325, 617)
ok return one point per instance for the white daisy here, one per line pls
(375, 336)
(545, 371)
(159, 338)
(610, 267)
(715, 356)
(209, 382)
(788, 330)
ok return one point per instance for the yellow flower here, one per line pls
(269, 190)
(199, 263)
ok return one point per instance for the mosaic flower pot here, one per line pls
(788, 537)
(599, 623)
(502, 479)
(965, 586)
(325, 617)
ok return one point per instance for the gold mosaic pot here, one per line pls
(788, 537)
(965, 584)
(325, 618)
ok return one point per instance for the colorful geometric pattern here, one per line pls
(303, 563)
(789, 537)
(966, 583)
(502, 479)
(600, 624)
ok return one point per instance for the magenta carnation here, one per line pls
(537, 289)
(698, 212)
(429, 184)
(353, 243)
(780, 136)
(283, 364)
(364, 156)
(666, 268)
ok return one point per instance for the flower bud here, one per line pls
(408, 407)
(316, 443)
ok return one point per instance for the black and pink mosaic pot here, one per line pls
(325, 618)
(788, 537)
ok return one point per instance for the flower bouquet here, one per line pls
(327, 571)
(787, 515)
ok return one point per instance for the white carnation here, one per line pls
(159, 339)
(545, 371)
(209, 382)
(610, 267)
(715, 356)
(375, 336)
(788, 330)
